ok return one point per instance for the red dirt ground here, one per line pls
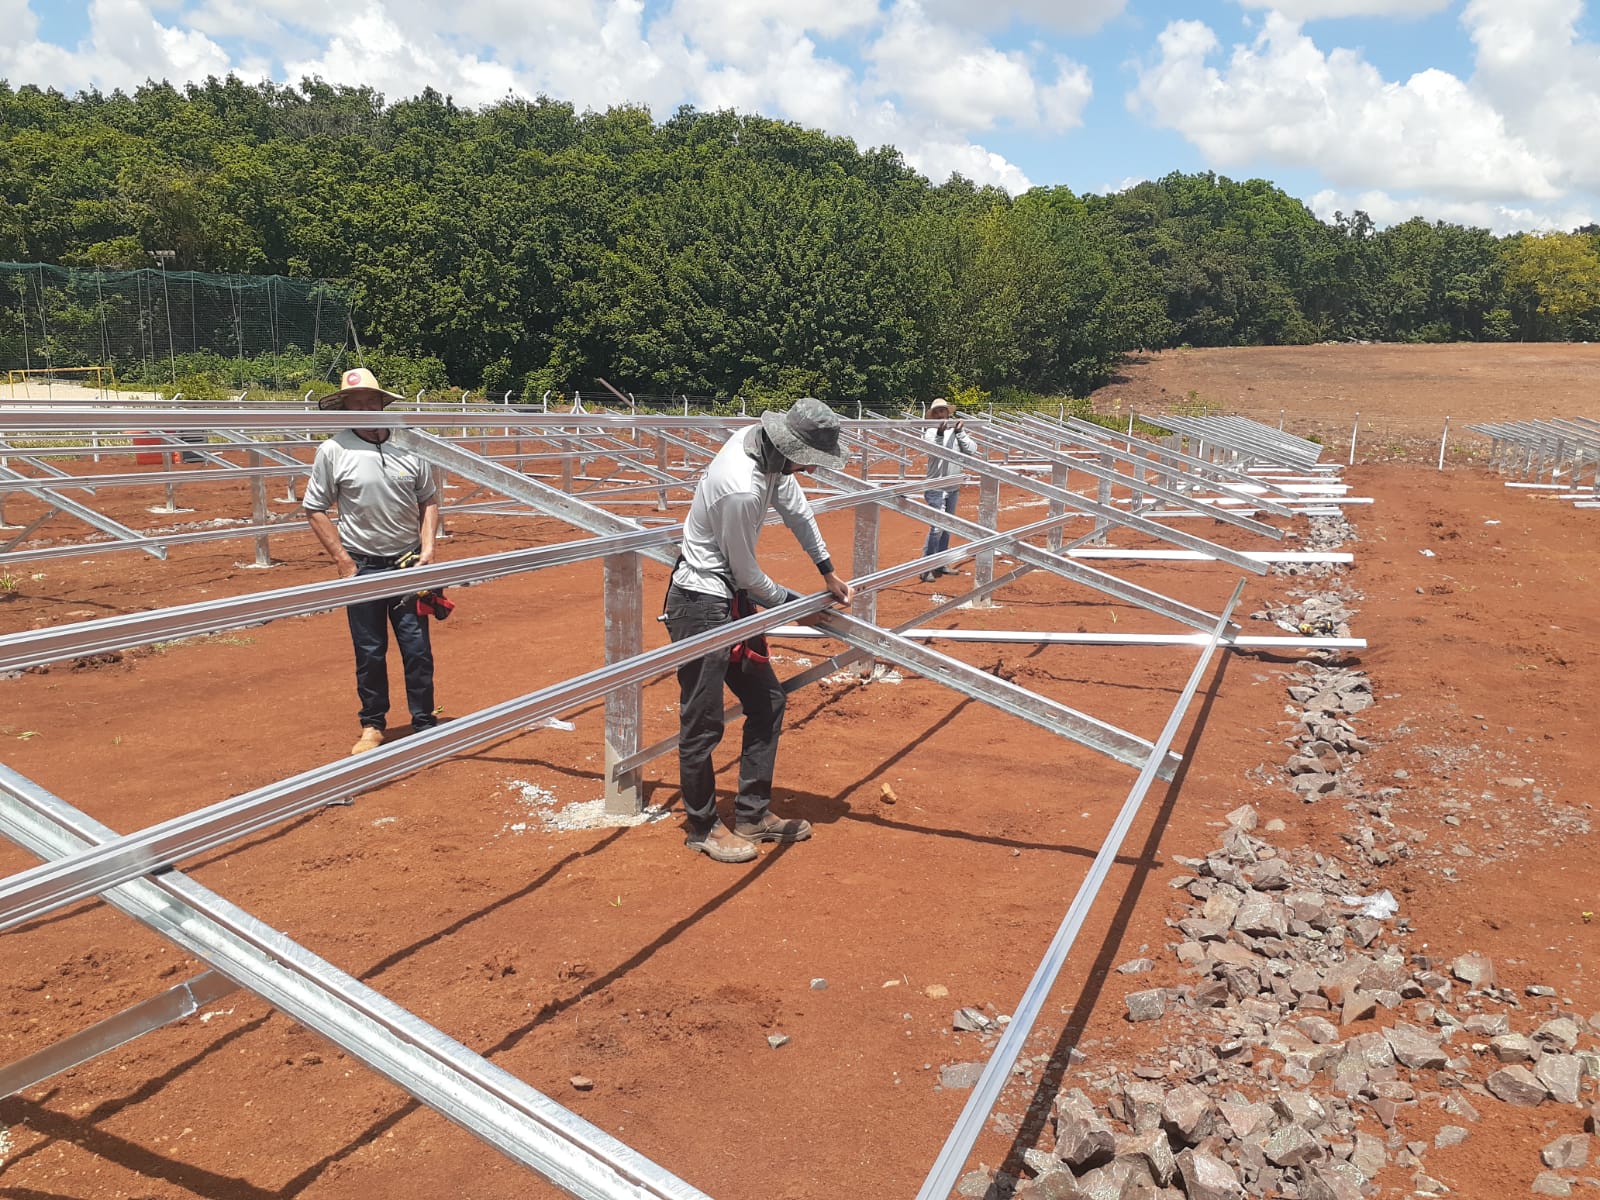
(619, 956)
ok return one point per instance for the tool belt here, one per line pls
(753, 650)
(430, 602)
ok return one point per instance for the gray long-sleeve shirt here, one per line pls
(938, 467)
(730, 504)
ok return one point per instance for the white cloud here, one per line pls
(1071, 16)
(125, 47)
(923, 77)
(1498, 218)
(1282, 100)
(1545, 81)
(956, 79)
(1315, 10)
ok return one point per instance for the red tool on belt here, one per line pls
(430, 601)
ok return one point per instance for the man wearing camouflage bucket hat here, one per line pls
(717, 579)
(388, 513)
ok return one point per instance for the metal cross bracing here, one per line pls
(102, 861)
(1555, 455)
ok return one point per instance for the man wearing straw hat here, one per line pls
(388, 511)
(716, 579)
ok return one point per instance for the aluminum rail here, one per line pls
(979, 466)
(40, 890)
(1217, 475)
(1030, 637)
(55, 499)
(1059, 564)
(1009, 439)
(1001, 693)
(941, 1179)
(174, 1004)
(489, 1102)
(51, 644)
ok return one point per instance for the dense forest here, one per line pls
(528, 246)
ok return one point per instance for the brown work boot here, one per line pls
(772, 829)
(719, 845)
(371, 738)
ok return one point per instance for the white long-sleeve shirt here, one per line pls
(938, 467)
(730, 504)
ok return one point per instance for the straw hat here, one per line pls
(358, 381)
(807, 435)
(939, 408)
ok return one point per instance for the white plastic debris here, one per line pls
(554, 723)
(1380, 905)
(1427, 553)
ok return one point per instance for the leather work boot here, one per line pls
(370, 739)
(719, 845)
(774, 829)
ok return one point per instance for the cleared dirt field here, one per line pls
(618, 956)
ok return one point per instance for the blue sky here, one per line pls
(1478, 111)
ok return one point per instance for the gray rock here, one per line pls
(1292, 1146)
(1561, 1075)
(1357, 1006)
(1475, 970)
(1136, 966)
(1560, 1034)
(777, 1040)
(1112, 1182)
(1566, 1153)
(1222, 906)
(1187, 1114)
(1450, 1135)
(1369, 1157)
(1517, 1085)
(960, 1075)
(1514, 1048)
(1143, 1105)
(1243, 1119)
(1332, 1181)
(1548, 1183)
(1244, 817)
(971, 1020)
(1151, 1153)
(1083, 1138)
(1270, 875)
(976, 1185)
(1427, 1185)
(1487, 1025)
(1320, 1030)
(1148, 1005)
(1415, 1048)
(1060, 1184)
(1206, 1177)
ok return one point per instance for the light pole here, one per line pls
(161, 257)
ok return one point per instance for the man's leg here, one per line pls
(700, 723)
(931, 543)
(947, 502)
(369, 634)
(416, 654)
(758, 689)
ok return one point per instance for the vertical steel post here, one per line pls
(258, 508)
(1353, 430)
(624, 609)
(989, 518)
(661, 464)
(1445, 437)
(1058, 478)
(864, 562)
(1101, 524)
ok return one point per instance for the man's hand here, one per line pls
(841, 590)
(347, 567)
(424, 557)
(959, 424)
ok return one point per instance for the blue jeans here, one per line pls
(369, 633)
(943, 499)
(700, 723)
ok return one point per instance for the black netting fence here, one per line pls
(157, 328)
